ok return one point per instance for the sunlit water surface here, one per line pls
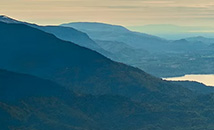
(205, 79)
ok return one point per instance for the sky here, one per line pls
(122, 12)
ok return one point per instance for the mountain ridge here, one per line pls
(100, 31)
(67, 34)
(65, 63)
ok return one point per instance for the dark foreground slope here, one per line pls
(195, 86)
(31, 103)
(28, 50)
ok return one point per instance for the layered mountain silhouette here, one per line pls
(76, 88)
(157, 56)
(150, 53)
(175, 32)
(107, 32)
(35, 52)
(64, 33)
(122, 52)
(184, 45)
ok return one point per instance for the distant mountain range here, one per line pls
(174, 32)
(107, 32)
(201, 39)
(157, 56)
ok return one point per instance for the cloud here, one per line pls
(115, 11)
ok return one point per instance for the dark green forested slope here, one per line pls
(28, 102)
(196, 87)
(31, 103)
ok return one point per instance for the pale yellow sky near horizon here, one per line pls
(122, 12)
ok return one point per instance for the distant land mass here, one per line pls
(155, 55)
(174, 32)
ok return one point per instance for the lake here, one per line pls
(205, 79)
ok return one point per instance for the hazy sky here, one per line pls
(123, 12)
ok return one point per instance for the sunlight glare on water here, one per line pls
(205, 79)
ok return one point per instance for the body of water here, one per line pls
(205, 79)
